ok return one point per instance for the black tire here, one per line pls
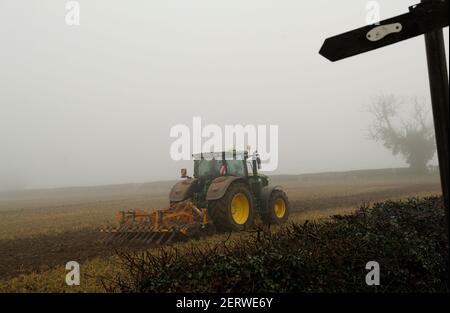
(221, 211)
(273, 213)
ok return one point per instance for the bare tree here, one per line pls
(412, 138)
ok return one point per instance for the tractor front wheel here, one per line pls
(278, 208)
(234, 211)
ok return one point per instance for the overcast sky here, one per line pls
(94, 104)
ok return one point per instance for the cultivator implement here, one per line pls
(181, 221)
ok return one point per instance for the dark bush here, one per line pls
(407, 238)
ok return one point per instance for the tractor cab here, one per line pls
(216, 164)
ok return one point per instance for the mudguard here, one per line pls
(265, 195)
(181, 190)
(219, 186)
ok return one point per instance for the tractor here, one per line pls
(226, 193)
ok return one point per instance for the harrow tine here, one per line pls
(135, 236)
(123, 237)
(145, 236)
(118, 235)
(150, 237)
(170, 238)
(160, 238)
(142, 234)
(139, 237)
(143, 231)
(120, 231)
(131, 236)
(106, 233)
(109, 237)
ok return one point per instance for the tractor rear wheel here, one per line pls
(234, 211)
(278, 208)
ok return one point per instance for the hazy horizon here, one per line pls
(93, 104)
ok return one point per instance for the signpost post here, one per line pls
(429, 18)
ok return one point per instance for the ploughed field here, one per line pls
(41, 230)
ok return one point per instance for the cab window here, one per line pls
(207, 168)
(236, 168)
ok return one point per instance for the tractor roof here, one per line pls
(222, 155)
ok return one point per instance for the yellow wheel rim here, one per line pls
(280, 208)
(240, 208)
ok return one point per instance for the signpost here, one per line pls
(428, 17)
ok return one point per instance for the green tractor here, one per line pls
(226, 192)
(229, 186)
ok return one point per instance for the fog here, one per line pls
(94, 104)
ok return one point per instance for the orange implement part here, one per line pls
(181, 218)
